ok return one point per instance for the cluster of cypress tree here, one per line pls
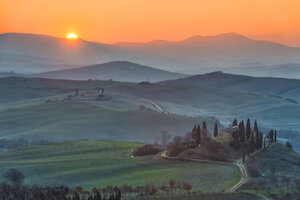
(251, 139)
(272, 136)
(199, 135)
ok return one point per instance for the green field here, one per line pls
(101, 163)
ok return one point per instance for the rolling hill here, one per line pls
(118, 70)
(28, 53)
(23, 111)
(277, 87)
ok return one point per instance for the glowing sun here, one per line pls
(72, 36)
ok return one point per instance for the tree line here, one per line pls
(249, 138)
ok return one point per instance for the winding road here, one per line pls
(238, 163)
(155, 105)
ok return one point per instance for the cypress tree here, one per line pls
(257, 140)
(216, 131)
(252, 142)
(275, 136)
(242, 132)
(194, 132)
(248, 129)
(234, 123)
(204, 131)
(198, 135)
(236, 139)
(271, 134)
(255, 128)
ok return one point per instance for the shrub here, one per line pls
(146, 150)
(14, 176)
(289, 145)
(176, 149)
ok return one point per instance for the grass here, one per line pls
(281, 167)
(76, 120)
(101, 163)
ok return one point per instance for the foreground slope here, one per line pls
(101, 163)
(274, 173)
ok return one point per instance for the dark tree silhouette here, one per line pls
(275, 136)
(234, 123)
(198, 135)
(271, 134)
(255, 128)
(216, 130)
(242, 132)
(252, 142)
(194, 132)
(14, 176)
(204, 131)
(248, 129)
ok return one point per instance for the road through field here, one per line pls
(239, 163)
(155, 105)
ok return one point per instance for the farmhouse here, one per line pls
(226, 134)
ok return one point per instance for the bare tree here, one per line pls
(165, 137)
(188, 138)
(177, 140)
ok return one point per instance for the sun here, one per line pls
(72, 36)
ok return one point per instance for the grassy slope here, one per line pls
(195, 101)
(75, 120)
(100, 163)
(281, 167)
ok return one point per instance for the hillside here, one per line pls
(279, 166)
(100, 163)
(29, 53)
(118, 70)
(285, 88)
(23, 99)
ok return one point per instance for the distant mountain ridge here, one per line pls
(117, 70)
(28, 53)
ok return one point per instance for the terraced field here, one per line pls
(100, 163)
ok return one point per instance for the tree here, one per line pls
(172, 183)
(252, 142)
(255, 128)
(204, 130)
(271, 134)
(248, 129)
(289, 145)
(275, 136)
(257, 140)
(216, 131)
(242, 132)
(14, 176)
(194, 132)
(165, 137)
(261, 140)
(198, 135)
(236, 139)
(177, 140)
(188, 138)
(234, 123)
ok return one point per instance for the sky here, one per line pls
(112, 21)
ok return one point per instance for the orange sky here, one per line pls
(113, 21)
